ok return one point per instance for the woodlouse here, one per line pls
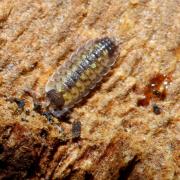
(76, 130)
(78, 75)
(156, 109)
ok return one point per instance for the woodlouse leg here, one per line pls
(61, 114)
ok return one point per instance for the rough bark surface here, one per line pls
(130, 123)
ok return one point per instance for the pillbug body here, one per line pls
(79, 74)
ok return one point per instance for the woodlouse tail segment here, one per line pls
(110, 45)
(55, 98)
(61, 113)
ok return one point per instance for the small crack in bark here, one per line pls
(126, 171)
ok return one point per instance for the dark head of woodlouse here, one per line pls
(55, 98)
(108, 44)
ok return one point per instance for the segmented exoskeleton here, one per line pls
(78, 75)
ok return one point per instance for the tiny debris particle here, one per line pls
(44, 133)
(156, 109)
(76, 130)
(48, 116)
(157, 93)
(19, 102)
(27, 112)
(155, 89)
(160, 95)
(23, 119)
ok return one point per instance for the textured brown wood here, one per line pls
(120, 138)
